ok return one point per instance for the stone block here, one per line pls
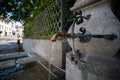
(7, 64)
(10, 56)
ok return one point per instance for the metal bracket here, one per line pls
(76, 57)
(84, 35)
(80, 18)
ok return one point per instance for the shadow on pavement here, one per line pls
(10, 48)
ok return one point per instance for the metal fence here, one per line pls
(47, 22)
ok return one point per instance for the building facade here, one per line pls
(9, 28)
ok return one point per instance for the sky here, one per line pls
(18, 23)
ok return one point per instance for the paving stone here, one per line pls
(7, 64)
(13, 56)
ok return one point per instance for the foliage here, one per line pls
(27, 10)
(44, 24)
(27, 30)
(69, 17)
(47, 30)
(22, 10)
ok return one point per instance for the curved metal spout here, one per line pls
(59, 34)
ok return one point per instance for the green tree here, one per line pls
(69, 17)
(22, 10)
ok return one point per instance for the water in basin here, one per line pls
(32, 71)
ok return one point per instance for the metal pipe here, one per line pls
(62, 16)
(49, 66)
(47, 69)
(59, 68)
(72, 35)
(59, 34)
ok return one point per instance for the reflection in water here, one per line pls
(32, 71)
(9, 74)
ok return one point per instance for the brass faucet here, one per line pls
(59, 34)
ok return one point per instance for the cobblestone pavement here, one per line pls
(8, 44)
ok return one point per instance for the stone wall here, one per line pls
(98, 54)
(46, 49)
(95, 68)
(102, 21)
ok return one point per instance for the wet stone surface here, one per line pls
(30, 71)
(8, 44)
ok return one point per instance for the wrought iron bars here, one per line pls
(47, 22)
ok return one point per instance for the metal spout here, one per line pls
(59, 34)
